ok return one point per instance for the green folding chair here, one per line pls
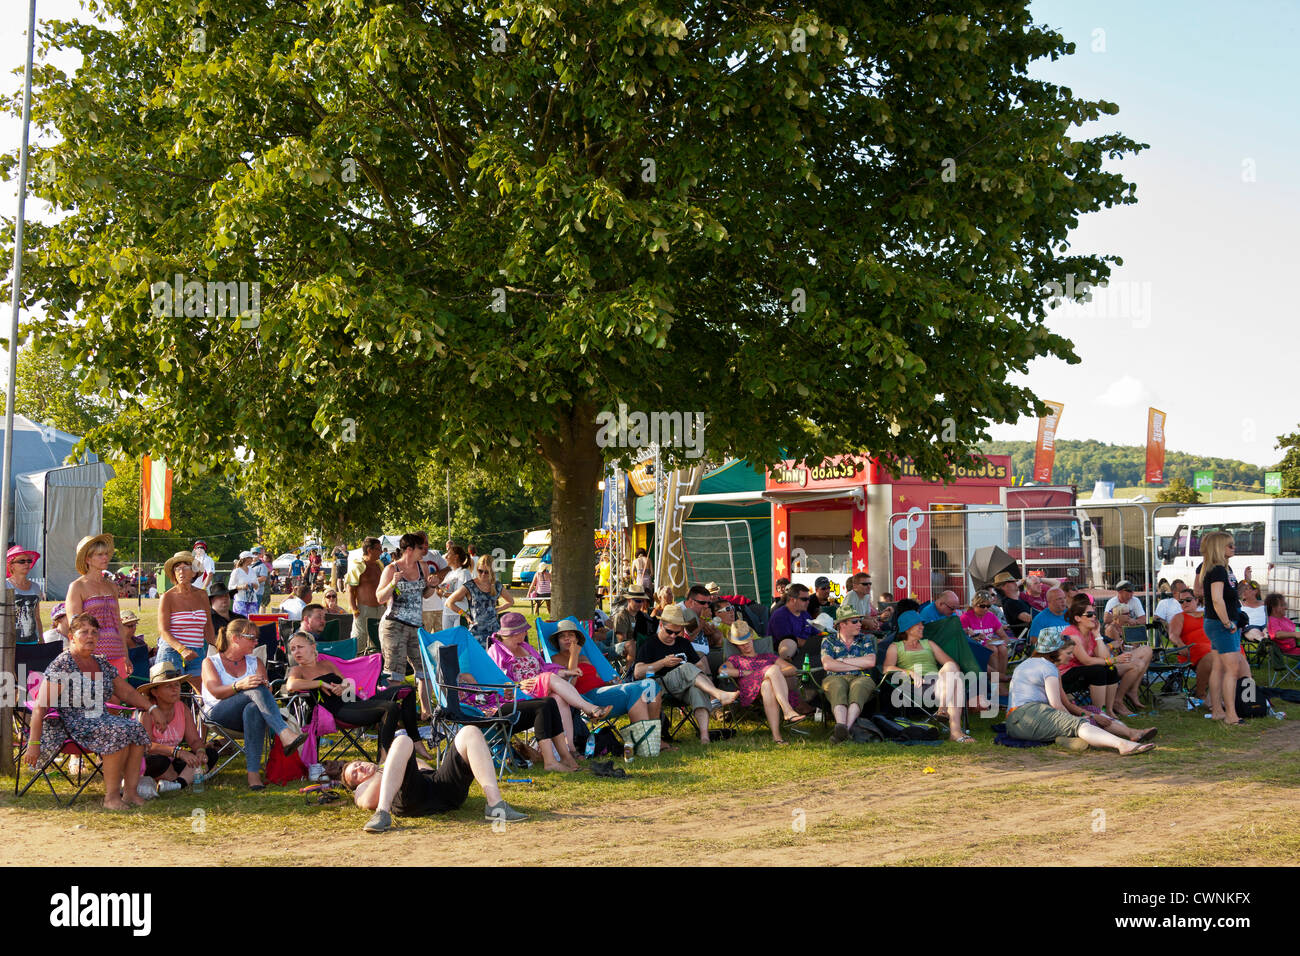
(344, 650)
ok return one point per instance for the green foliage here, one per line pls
(1084, 462)
(47, 393)
(1290, 465)
(871, 185)
(1179, 490)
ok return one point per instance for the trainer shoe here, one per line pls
(503, 811)
(839, 733)
(381, 822)
(1076, 744)
(168, 786)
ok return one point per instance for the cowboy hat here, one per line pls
(90, 543)
(164, 672)
(180, 557)
(128, 617)
(1003, 577)
(635, 593)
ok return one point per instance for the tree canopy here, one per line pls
(474, 226)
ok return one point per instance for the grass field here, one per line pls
(1207, 794)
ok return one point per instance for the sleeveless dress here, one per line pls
(106, 611)
(483, 611)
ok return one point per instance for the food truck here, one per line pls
(849, 513)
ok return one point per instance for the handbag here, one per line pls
(645, 737)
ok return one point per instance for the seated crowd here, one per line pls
(1043, 644)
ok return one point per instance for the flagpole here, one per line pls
(7, 649)
(139, 552)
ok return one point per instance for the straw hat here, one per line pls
(675, 615)
(164, 672)
(87, 545)
(740, 633)
(180, 557)
(567, 627)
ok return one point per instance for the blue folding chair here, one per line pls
(139, 660)
(545, 629)
(446, 655)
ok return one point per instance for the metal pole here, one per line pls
(139, 552)
(448, 504)
(6, 502)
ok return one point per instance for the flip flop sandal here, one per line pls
(1140, 749)
(797, 718)
(963, 739)
(1148, 734)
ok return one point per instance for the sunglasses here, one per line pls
(1088, 614)
(982, 607)
(1186, 600)
(672, 633)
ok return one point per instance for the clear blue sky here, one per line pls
(1210, 260)
(1209, 86)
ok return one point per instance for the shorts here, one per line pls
(400, 643)
(622, 697)
(434, 791)
(192, 669)
(1221, 639)
(680, 682)
(1078, 679)
(1039, 721)
(155, 766)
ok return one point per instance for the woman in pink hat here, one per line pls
(18, 564)
(536, 678)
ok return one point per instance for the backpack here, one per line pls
(864, 731)
(901, 730)
(1250, 702)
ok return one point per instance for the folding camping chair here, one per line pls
(138, 657)
(344, 650)
(446, 654)
(1168, 676)
(319, 724)
(31, 661)
(604, 669)
(1278, 664)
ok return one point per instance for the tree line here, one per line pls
(1084, 462)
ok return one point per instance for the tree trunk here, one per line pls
(576, 464)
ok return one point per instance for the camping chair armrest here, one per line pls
(475, 688)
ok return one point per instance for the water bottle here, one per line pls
(590, 749)
(197, 786)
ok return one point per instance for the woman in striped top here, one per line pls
(184, 619)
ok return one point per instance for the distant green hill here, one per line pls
(1083, 462)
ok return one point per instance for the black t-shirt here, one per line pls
(218, 622)
(655, 650)
(1231, 602)
(1013, 608)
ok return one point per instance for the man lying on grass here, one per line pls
(407, 787)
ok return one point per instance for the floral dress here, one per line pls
(80, 700)
(483, 611)
(750, 680)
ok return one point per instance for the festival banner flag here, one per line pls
(1273, 482)
(1045, 449)
(1203, 481)
(156, 494)
(1155, 447)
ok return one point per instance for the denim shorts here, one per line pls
(192, 669)
(622, 696)
(1221, 639)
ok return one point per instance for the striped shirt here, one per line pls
(187, 627)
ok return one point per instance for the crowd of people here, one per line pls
(1079, 677)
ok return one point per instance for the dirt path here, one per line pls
(1096, 809)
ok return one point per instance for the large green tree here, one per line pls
(825, 226)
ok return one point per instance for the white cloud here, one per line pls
(1124, 392)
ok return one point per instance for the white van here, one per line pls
(536, 550)
(1267, 536)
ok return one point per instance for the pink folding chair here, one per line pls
(364, 672)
